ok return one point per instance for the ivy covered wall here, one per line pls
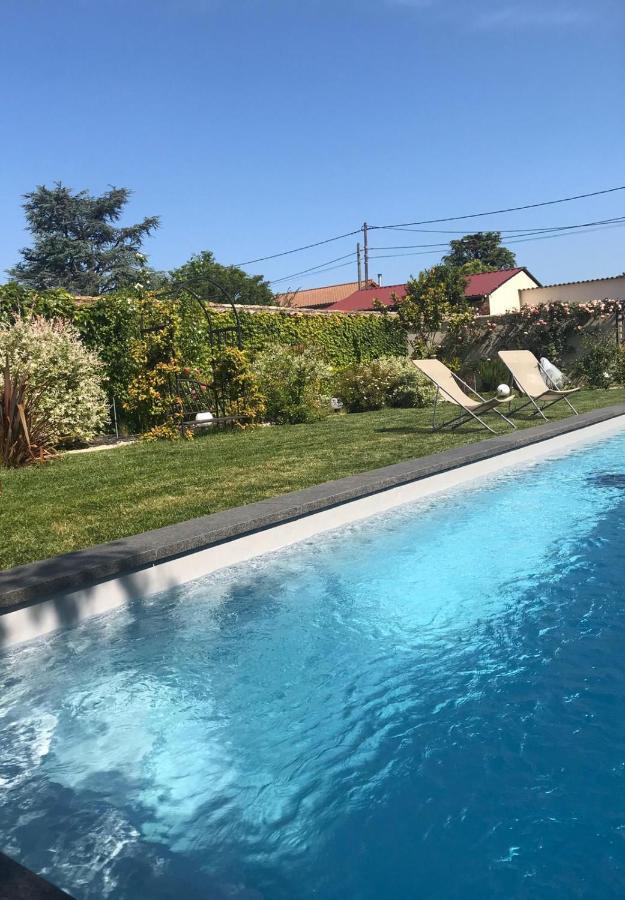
(341, 339)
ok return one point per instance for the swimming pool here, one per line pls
(423, 704)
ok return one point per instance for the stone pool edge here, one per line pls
(19, 883)
(31, 584)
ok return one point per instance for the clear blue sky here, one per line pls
(252, 126)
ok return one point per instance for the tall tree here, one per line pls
(434, 300)
(219, 284)
(77, 245)
(484, 247)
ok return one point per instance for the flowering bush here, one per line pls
(548, 330)
(602, 362)
(295, 383)
(65, 374)
(387, 381)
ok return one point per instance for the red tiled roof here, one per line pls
(321, 296)
(480, 285)
(363, 300)
(484, 283)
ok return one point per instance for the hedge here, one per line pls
(341, 339)
(113, 324)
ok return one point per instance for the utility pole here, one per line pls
(359, 269)
(365, 233)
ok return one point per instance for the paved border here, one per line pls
(19, 883)
(31, 584)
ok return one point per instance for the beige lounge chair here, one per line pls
(452, 389)
(532, 382)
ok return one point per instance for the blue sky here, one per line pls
(253, 126)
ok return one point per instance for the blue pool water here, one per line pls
(429, 704)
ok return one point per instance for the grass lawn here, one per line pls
(84, 499)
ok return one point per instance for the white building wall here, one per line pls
(576, 291)
(506, 298)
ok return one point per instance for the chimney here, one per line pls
(379, 279)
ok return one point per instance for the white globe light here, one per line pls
(503, 390)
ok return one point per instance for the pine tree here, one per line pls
(77, 245)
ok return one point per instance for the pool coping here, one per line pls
(33, 583)
(19, 883)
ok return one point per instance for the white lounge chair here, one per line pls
(532, 381)
(452, 389)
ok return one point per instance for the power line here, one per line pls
(517, 240)
(339, 237)
(407, 226)
(313, 268)
(400, 226)
(323, 271)
(428, 249)
(496, 212)
(515, 233)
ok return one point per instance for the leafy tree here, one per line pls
(434, 300)
(483, 246)
(221, 284)
(77, 245)
(475, 266)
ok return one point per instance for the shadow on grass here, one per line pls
(427, 430)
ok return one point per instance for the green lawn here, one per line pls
(84, 499)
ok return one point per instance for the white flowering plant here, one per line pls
(67, 376)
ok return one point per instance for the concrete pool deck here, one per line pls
(40, 597)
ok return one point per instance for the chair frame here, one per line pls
(466, 413)
(539, 410)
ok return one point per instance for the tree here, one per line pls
(222, 284)
(77, 245)
(434, 300)
(484, 247)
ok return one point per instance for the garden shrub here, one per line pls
(388, 381)
(295, 382)
(111, 326)
(490, 373)
(117, 324)
(601, 363)
(235, 381)
(65, 373)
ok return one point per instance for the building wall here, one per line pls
(576, 292)
(506, 298)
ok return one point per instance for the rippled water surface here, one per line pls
(425, 705)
